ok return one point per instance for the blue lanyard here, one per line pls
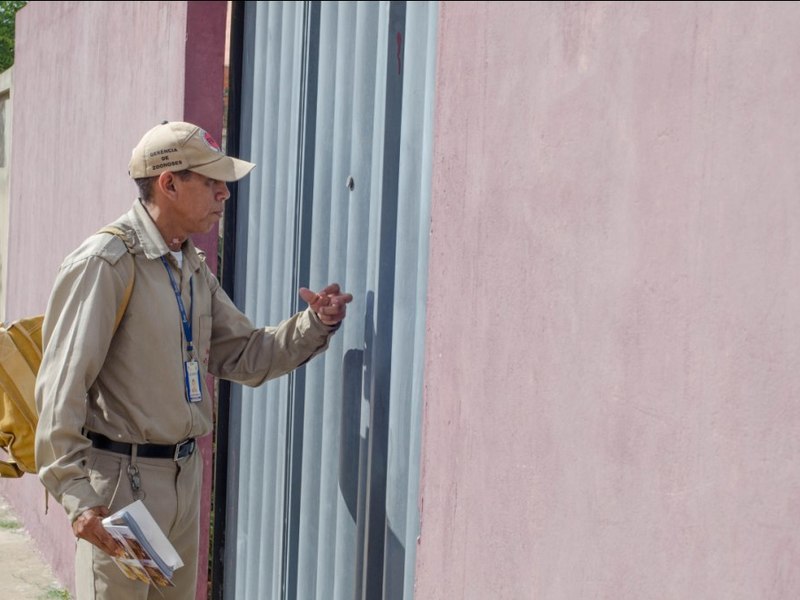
(187, 323)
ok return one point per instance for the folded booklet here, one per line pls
(145, 552)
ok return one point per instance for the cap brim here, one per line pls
(226, 168)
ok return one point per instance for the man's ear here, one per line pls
(166, 182)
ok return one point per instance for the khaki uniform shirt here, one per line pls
(129, 385)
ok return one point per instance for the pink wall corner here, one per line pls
(90, 79)
(206, 27)
(611, 406)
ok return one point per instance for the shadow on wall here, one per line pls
(362, 464)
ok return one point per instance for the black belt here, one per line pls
(175, 452)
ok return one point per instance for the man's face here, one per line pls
(199, 202)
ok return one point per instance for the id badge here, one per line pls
(194, 391)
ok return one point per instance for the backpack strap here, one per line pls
(125, 237)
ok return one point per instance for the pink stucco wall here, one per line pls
(89, 79)
(614, 305)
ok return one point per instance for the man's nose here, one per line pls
(222, 191)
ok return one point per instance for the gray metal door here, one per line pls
(337, 100)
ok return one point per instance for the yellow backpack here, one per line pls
(20, 358)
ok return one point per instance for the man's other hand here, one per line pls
(89, 526)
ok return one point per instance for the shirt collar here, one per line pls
(152, 244)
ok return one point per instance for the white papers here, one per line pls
(145, 552)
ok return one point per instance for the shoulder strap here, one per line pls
(127, 240)
(123, 235)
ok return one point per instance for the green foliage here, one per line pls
(55, 594)
(8, 12)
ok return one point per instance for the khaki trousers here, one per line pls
(171, 492)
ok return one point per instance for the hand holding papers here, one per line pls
(145, 552)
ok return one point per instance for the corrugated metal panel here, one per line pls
(324, 463)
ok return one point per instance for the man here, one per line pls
(121, 405)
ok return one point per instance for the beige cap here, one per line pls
(175, 146)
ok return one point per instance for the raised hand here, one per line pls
(330, 304)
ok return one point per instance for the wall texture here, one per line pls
(89, 79)
(614, 334)
(6, 114)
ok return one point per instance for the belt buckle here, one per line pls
(179, 448)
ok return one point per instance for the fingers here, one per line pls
(89, 526)
(308, 296)
(329, 304)
(344, 298)
(329, 296)
(335, 310)
(332, 289)
(331, 312)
